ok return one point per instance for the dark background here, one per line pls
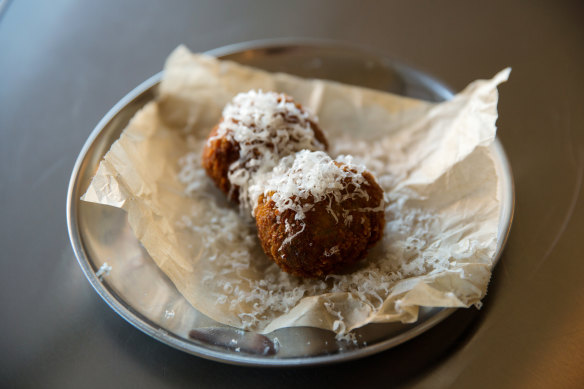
(64, 63)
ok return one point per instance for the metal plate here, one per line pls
(101, 234)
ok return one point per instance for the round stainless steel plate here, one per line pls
(101, 234)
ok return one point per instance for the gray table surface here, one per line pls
(63, 64)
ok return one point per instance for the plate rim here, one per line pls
(150, 328)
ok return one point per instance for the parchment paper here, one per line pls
(433, 161)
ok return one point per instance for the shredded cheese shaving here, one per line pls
(266, 126)
(308, 177)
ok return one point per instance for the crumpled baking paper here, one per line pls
(433, 160)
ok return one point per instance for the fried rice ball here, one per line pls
(313, 221)
(256, 130)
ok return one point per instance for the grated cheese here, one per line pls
(307, 177)
(266, 126)
(104, 270)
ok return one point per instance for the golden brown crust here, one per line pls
(318, 134)
(218, 155)
(323, 243)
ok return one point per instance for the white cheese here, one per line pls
(104, 270)
(266, 126)
(307, 177)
